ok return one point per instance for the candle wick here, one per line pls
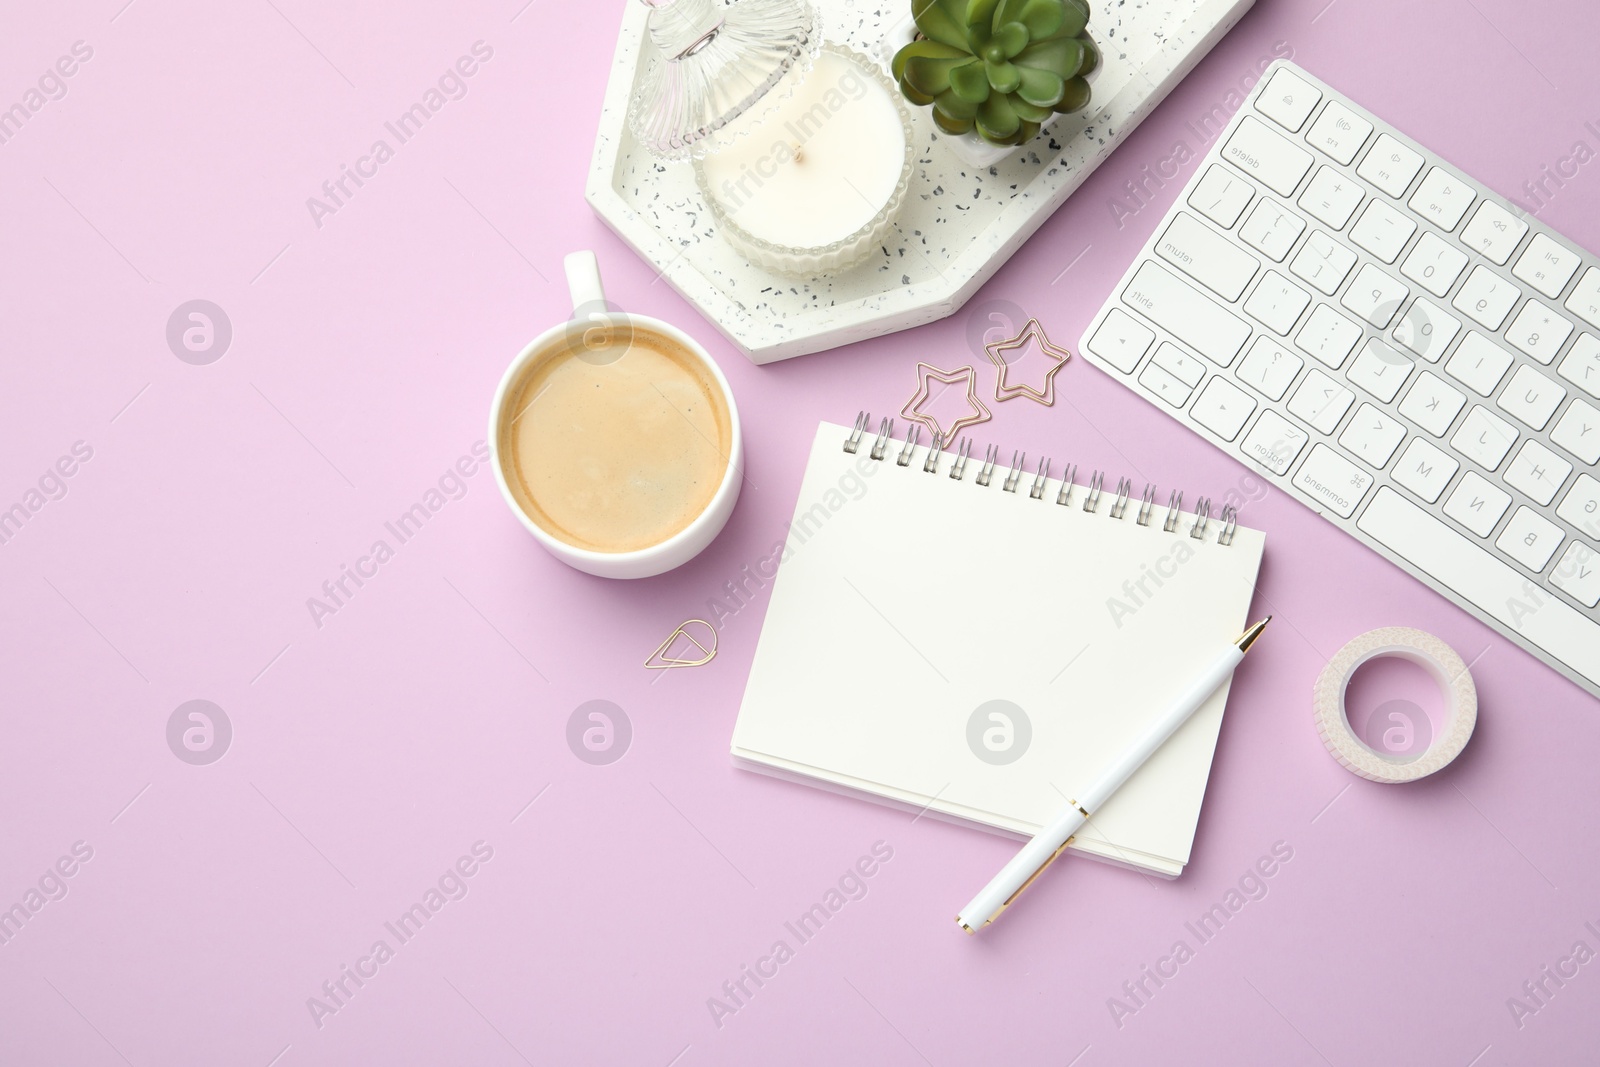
(799, 154)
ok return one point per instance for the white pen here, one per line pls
(1053, 839)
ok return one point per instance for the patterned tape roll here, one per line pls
(1424, 649)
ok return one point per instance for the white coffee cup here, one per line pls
(589, 306)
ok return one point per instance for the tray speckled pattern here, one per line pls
(959, 224)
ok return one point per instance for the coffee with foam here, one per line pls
(615, 438)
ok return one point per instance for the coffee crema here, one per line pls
(614, 440)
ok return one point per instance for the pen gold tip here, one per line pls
(1248, 638)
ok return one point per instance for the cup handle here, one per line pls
(583, 282)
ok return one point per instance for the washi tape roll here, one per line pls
(1432, 654)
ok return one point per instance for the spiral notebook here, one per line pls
(974, 641)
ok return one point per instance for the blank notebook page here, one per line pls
(905, 600)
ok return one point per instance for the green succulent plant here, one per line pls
(1000, 67)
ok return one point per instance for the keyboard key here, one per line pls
(1272, 228)
(1494, 232)
(1266, 156)
(1221, 196)
(1178, 363)
(1375, 296)
(1582, 365)
(1323, 262)
(1273, 442)
(1425, 470)
(1547, 266)
(1432, 404)
(1390, 165)
(1382, 230)
(1331, 197)
(1426, 329)
(1530, 539)
(1538, 472)
(1478, 363)
(1434, 264)
(1321, 402)
(1164, 385)
(1578, 574)
(1287, 100)
(1186, 313)
(1538, 331)
(1339, 132)
(1121, 340)
(1372, 436)
(1495, 588)
(1531, 397)
(1277, 302)
(1585, 299)
(1206, 256)
(1222, 408)
(1269, 368)
(1484, 438)
(1328, 335)
(1581, 506)
(1486, 298)
(1579, 433)
(1477, 504)
(1380, 370)
(1332, 481)
(1442, 199)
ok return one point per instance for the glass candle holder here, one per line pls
(813, 185)
(710, 67)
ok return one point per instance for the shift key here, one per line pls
(1186, 313)
(1206, 256)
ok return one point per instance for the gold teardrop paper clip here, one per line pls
(660, 661)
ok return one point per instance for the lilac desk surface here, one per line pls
(371, 751)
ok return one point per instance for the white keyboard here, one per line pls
(1410, 355)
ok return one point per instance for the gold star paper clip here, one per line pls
(663, 659)
(927, 374)
(1032, 332)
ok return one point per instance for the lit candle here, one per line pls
(817, 169)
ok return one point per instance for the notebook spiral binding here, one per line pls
(1012, 481)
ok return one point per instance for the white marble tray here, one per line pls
(959, 224)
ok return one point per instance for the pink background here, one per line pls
(372, 752)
